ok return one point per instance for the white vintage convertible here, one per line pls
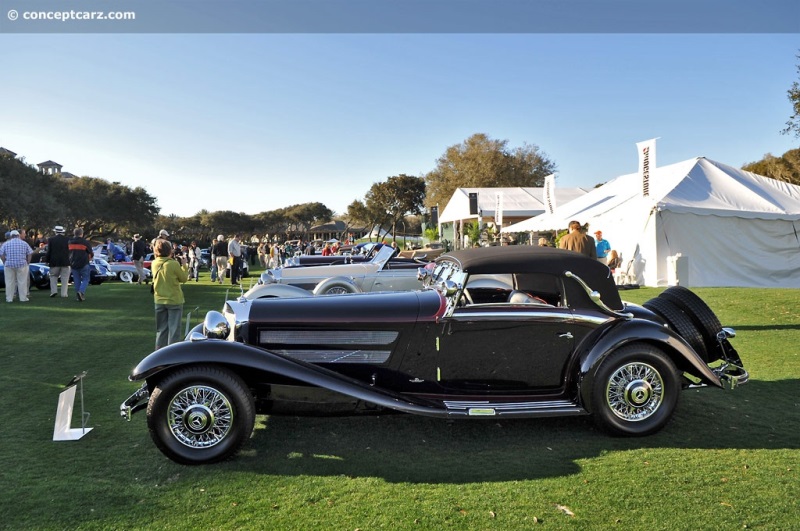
(378, 274)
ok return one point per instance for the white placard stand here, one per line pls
(66, 400)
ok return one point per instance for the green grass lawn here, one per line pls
(728, 459)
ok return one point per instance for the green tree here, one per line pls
(784, 168)
(793, 125)
(302, 217)
(396, 197)
(106, 209)
(481, 162)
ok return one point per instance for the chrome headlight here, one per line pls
(215, 326)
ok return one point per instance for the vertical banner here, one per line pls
(647, 162)
(550, 193)
(498, 210)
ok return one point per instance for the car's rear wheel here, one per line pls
(126, 276)
(635, 391)
(200, 414)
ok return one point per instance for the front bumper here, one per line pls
(135, 402)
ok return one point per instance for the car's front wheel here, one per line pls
(126, 276)
(200, 414)
(635, 391)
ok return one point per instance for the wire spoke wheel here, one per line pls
(336, 290)
(200, 416)
(635, 391)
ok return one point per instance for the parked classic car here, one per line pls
(99, 271)
(398, 260)
(378, 274)
(39, 275)
(124, 271)
(551, 337)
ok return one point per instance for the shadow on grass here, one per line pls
(766, 327)
(402, 448)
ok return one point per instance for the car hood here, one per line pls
(405, 306)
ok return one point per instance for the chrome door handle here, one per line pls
(567, 335)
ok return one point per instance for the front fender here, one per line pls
(244, 359)
(638, 330)
(275, 290)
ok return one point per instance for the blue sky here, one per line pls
(257, 122)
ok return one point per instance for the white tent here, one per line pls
(514, 202)
(730, 227)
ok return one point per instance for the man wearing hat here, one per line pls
(16, 255)
(139, 252)
(57, 256)
(602, 246)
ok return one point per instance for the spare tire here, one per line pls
(680, 323)
(702, 316)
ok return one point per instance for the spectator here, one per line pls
(235, 258)
(16, 256)
(614, 260)
(577, 241)
(168, 275)
(193, 253)
(327, 251)
(80, 254)
(39, 253)
(219, 254)
(543, 242)
(138, 253)
(58, 258)
(162, 235)
(262, 254)
(602, 246)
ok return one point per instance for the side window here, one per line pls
(547, 288)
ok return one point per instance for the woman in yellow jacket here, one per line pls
(168, 275)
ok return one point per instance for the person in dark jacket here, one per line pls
(80, 254)
(57, 257)
(139, 252)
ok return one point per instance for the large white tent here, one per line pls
(515, 202)
(730, 227)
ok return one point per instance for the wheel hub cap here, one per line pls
(200, 416)
(635, 391)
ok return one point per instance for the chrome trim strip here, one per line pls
(509, 406)
(327, 337)
(543, 314)
(337, 356)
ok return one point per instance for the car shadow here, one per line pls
(405, 448)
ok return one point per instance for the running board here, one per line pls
(551, 408)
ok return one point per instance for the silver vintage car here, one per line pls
(377, 274)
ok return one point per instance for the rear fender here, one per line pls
(244, 359)
(622, 333)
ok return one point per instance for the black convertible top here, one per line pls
(528, 259)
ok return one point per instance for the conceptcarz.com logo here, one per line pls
(646, 171)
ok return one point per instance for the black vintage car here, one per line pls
(497, 332)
